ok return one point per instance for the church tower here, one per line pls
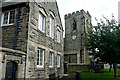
(76, 25)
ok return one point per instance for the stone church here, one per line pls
(31, 40)
(76, 25)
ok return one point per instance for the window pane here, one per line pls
(74, 25)
(41, 22)
(5, 18)
(51, 26)
(41, 63)
(12, 16)
(51, 59)
(58, 35)
(58, 60)
(40, 59)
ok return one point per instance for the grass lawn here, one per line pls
(99, 76)
(106, 75)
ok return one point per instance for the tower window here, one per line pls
(74, 25)
(69, 59)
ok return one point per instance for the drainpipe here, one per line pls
(16, 29)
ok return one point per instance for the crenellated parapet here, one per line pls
(77, 13)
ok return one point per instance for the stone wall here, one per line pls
(12, 37)
(38, 39)
(8, 34)
(23, 28)
(10, 55)
(78, 67)
(74, 38)
(28, 38)
(71, 58)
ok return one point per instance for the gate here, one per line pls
(11, 68)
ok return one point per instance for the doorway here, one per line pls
(11, 69)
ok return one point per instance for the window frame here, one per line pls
(74, 25)
(43, 57)
(52, 26)
(8, 18)
(42, 24)
(58, 60)
(58, 34)
(51, 58)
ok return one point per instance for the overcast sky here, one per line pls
(96, 8)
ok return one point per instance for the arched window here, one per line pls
(74, 25)
(69, 60)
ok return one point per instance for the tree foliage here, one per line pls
(104, 41)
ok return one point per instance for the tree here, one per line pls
(104, 42)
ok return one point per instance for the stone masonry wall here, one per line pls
(23, 28)
(10, 33)
(38, 39)
(10, 55)
(76, 45)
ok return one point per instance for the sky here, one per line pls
(96, 8)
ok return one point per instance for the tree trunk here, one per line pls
(115, 69)
(110, 67)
